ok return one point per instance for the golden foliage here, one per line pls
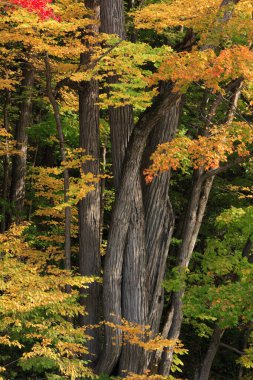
(203, 152)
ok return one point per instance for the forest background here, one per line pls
(126, 186)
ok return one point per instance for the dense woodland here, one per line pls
(126, 172)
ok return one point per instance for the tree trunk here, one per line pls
(134, 287)
(192, 222)
(89, 211)
(17, 191)
(159, 217)
(120, 223)
(211, 352)
(58, 122)
(6, 167)
(89, 207)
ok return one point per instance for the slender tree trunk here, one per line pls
(211, 352)
(17, 191)
(89, 207)
(6, 168)
(89, 211)
(102, 190)
(120, 118)
(192, 222)
(67, 240)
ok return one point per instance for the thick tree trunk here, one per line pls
(17, 191)
(149, 262)
(121, 126)
(89, 207)
(211, 352)
(134, 286)
(159, 218)
(120, 223)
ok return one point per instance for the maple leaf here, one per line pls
(41, 7)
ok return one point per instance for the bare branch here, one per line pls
(231, 348)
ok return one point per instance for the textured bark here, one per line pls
(89, 207)
(149, 262)
(89, 211)
(17, 191)
(121, 126)
(134, 286)
(119, 226)
(120, 118)
(211, 352)
(234, 102)
(159, 217)
(112, 17)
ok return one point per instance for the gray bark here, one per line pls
(89, 207)
(159, 217)
(17, 191)
(119, 226)
(134, 287)
(211, 352)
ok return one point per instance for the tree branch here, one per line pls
(224, 168)
(76, 85)
(231, 348)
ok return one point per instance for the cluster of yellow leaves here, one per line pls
(48, 184)
(34, 305)
(177, 13)
(247, 359)
(202, 16)
(205, 152)
(147, 376)
(61, 39)
(7, 144)
(142, 336)
(24, 35)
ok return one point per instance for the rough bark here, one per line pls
(211, 352)
(89, 207)
(133, 279)
(159, 217)
(89, 210)
(134, 287)
(17, 191)
(120, 222)
(120, 118)
(148, 262)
